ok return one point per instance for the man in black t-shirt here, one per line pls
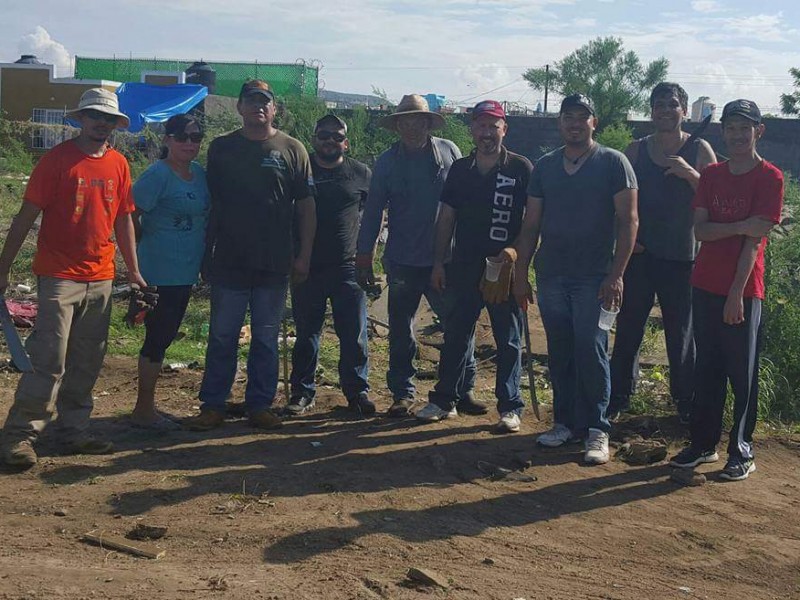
(342, 184)
(483, 202)
(261, 186)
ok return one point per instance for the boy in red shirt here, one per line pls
(737, 203)
(82, 188)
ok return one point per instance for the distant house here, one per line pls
(30, 91)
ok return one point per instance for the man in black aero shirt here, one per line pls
(483, 201)
(342, 184)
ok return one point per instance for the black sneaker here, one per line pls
(362, 405)
(400, 408)
(737, 469)
(469, 405)
(617, 407)
(299, 405)
(690, 457)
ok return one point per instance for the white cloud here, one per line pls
(48, 50)
(706, 6)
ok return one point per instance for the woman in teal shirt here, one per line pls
(172, 203)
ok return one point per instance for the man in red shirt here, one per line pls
(82, 188)
(736, 205)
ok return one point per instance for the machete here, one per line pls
(18, 355)
(698, 131)
(529, 365)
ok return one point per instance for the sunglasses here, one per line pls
(324, 136)
(195, 137)
(96, 115)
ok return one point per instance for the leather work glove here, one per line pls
(496, 292)
(365, 276)
(141, 302)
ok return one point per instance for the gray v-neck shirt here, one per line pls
(578, 218)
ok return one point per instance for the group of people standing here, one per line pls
(606, 230)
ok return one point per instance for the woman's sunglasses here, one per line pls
(195, 137)
(324, 136)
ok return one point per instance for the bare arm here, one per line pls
(707, 231)
(307, 221)
(525, 245)
(445, 225)
(733, 313)
(627, 225)
(17, 233)
(126, 240)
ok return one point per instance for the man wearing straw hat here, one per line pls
(82, 188)
(408, 179)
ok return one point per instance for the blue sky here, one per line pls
(464, 49)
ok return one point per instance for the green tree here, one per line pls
(615, 80)
(790, 103)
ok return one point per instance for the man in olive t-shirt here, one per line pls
(259, 179)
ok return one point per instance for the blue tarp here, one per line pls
(145, 103)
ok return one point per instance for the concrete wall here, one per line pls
(533, 136)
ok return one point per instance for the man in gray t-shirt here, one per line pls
(584, 207)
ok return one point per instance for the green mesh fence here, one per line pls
(285, 79)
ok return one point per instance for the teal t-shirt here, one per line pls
(174, 218)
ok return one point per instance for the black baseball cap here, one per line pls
(256, 86)
(577, 101)
(745, 108)
(331, 119)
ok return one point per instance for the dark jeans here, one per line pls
(228, 307)
(577, 349)
(309, 301)
(162, 323)
(407, 285)
(463, 304)
(725, 353)
(645, 278)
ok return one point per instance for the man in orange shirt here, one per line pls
(82, 188)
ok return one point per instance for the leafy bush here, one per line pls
(14, 156)
(780, 369)
(617, 136)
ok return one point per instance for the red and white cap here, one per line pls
(488, 107)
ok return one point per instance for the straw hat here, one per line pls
(101, 100)
(412, 104)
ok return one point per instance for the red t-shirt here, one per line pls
(729, 198)
(80, 197)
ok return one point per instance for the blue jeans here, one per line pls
(228, 307)
(309, 300)
(463, 305)
(578, 351)
(407, 285)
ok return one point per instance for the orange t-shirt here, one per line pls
(80, 197)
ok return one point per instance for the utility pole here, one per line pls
(546, 85)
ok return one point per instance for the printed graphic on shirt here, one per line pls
(502, 205)
(274, 160)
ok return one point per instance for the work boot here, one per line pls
(265, 419)
(362, 405)
(400, 408)
(20, 455)
(205, 421)
(469, 405)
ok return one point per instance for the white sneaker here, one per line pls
(555, 437)
(509, 423)
(596, 447)
(431, 413)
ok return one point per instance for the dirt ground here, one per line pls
(331, 507)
